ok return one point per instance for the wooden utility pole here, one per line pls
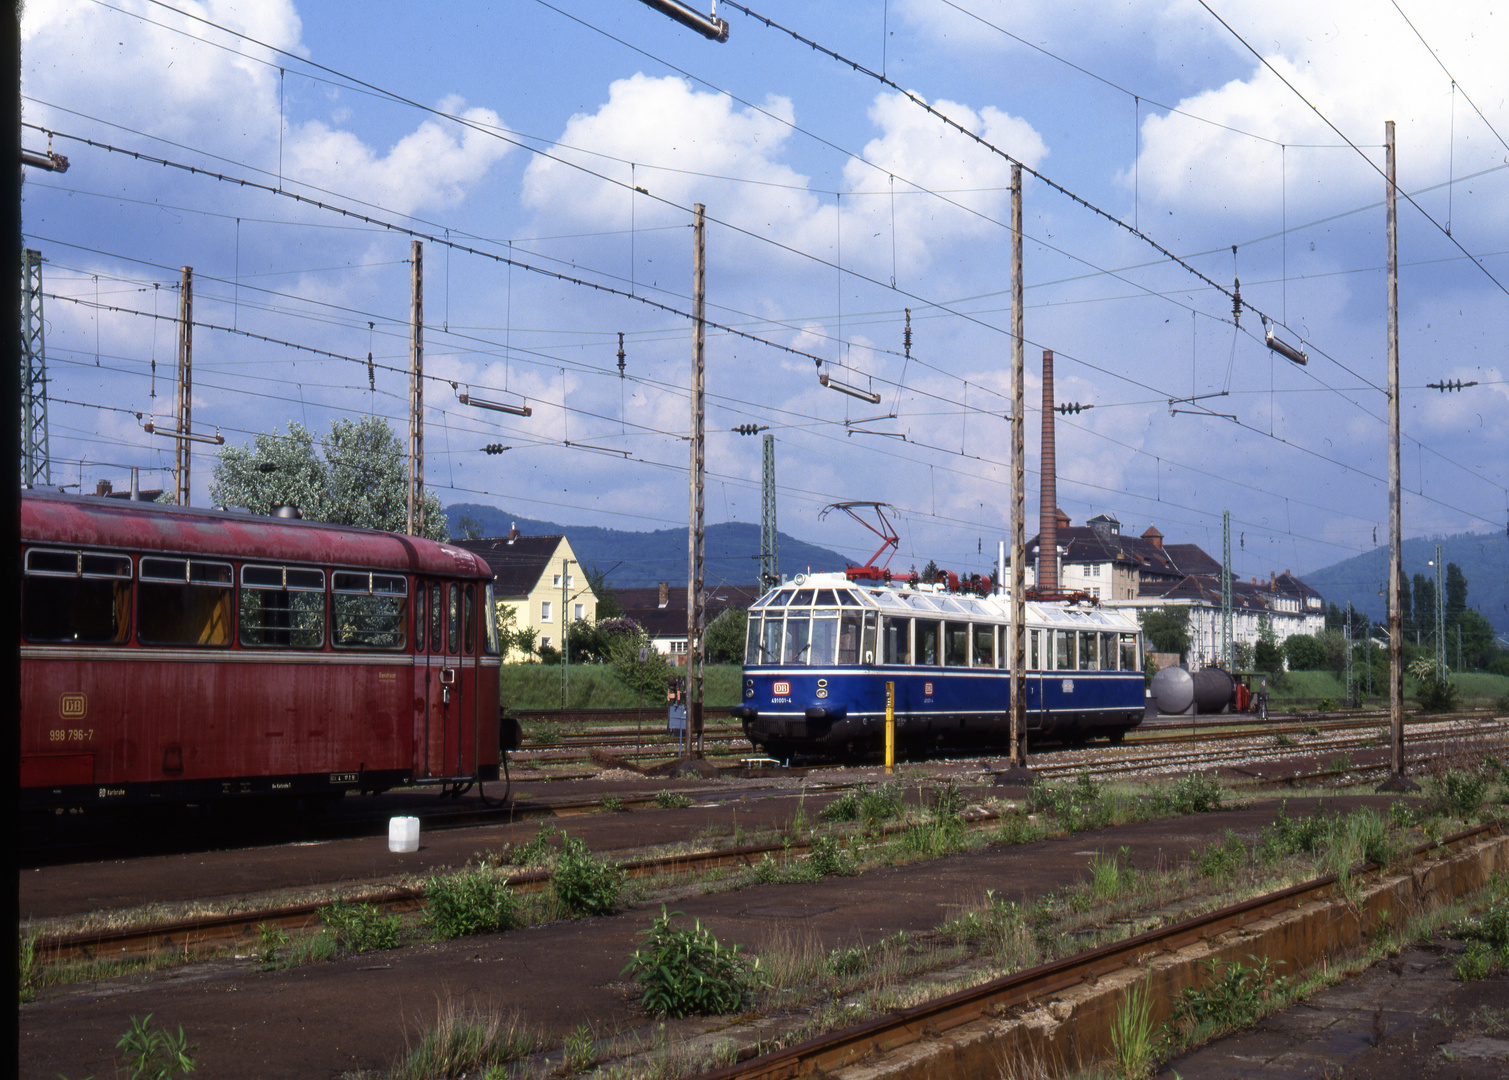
(696, 549)
(414, 503)
(182, 456)
(1016, 772)
(1396, 781)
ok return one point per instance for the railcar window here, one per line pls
(1089, 658)
(1129, 660)
(984, 645)
(1063, 651)
(783, 599)
(469, 619)
(824, 638)
(1108, 652)
(847, 599)
(753, 628)
(803, 598)
(453, 608)
(927, 641)
(282, 606)
(955, 644)
(437, 618)
(489, 622)
(368, 610)
(184, 602)
(1034, 649)
(825, 598)
(798, 629)
(419, 619)
(76, 596)
(770, 649)
(867, 638)
(896, 641)
(848, 637)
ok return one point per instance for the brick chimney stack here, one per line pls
(1047, 507)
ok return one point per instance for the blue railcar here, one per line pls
(821, 649)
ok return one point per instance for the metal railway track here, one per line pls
(826, 1054)
(210, 931)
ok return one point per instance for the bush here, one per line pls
(1197, 793)
(1459, 792)
(684, 972)
(672, 800)
(471, 902)
(1233, 995)
(361, 927)
(1218, 860)
(870, 804)
(583, 883)
(155, 1055)
(1292, 836)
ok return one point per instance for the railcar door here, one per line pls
(445, 662)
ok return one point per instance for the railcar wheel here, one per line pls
(1115, 735)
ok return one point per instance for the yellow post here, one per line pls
(890, 727)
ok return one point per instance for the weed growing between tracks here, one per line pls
(465, 1040)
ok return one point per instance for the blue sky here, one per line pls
(835, 203)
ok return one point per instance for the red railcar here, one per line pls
(182, 655)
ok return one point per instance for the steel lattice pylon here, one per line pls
(1226, 629)
(769, 572)
(36, 463)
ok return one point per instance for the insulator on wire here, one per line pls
(620, 354)
(1075, 407)
(1236, 301)
(906, 337)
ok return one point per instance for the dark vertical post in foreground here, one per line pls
(1396, 781)
(695, 547)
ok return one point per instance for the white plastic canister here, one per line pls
(403, 834)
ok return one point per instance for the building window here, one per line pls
(1095, 591)
(578, 611)
(544, 611)
(544, 643)
(556, 581)
(678, 648)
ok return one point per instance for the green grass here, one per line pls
(1302, 689)
(596, 686)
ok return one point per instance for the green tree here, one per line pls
(1167, 628)
(1425, 606)
(1456, 592)
(1305, 653)
(356, 476)
(930, 572)
(608, 606)
(623, 641)
(1266, 654)
(724, 637)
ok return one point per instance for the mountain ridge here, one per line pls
(1483, 558)
(631, 559)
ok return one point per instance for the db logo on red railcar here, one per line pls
(73, 705)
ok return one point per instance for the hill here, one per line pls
(1483, 557)
(643, 559)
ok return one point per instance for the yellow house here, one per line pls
(540, 578)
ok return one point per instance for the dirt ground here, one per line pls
(1403, 1019)
(320, 1020)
